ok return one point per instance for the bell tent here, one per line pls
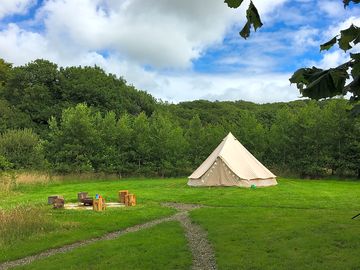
(231, 164)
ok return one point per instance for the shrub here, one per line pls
(4, 164)
(22, 148)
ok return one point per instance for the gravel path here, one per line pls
(202, 252)
(203, 255)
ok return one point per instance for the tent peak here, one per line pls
(230, 135)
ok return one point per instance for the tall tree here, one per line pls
(335, 124)
(195, 138)
(33, 89)
(105, 158)
(5, 70)
(168, 145)
(351, 160)
(141, 143)
(309, 153)
(13, 118)
(124, 145)
(74, 141)
(281, 140)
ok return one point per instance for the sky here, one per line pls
(179, 50)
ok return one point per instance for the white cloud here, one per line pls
(335, 29)
(9, 7)
(266, 8)
(333, 59)
(305, 37)
(267, 87)
(19, 46)
(270, 51)
(176, 87)
(333, 8)
(251, 61)
(159, 33)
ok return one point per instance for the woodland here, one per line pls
(82, 119)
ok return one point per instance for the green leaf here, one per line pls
(351, 34)
(317, 83)
(298, 78)
(326, 84)
(339, 77)
(245, 32)
(354, 86)
(233, 3)
(253, 16)
(328, 45)
(355, 56)
(355, 65)
(355, 71)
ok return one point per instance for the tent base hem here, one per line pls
(241, 183)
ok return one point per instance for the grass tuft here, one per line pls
(7, 183)
(22, 222)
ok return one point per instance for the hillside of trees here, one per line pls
(81, 119)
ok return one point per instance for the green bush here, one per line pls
(22, 149)
(4, 164)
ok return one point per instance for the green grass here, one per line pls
(148, 249)
(69, 226)
(282, 238)
(299, 224)
(22, 222)
(289, 193)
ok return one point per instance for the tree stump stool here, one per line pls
(130, 200)
(81, 196)
(53, 197)
(122, 195)
(99, 204)
(58, 203)
(88, 201)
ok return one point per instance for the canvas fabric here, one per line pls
(231, 164)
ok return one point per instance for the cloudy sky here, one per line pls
(179, 49)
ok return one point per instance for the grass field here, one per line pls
(299, 224)
(141, 250)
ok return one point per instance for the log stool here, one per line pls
(130, 200)
(81, 196)
(122, 195)
(99, 204)
(58, 203)
(53, 197)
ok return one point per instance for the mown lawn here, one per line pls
(68, 226)
(282, 238)
(299, 224)
(147, 249)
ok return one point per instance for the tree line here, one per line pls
(81, 119)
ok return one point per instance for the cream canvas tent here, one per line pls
(230, 164)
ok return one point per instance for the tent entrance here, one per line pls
(219, 174)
